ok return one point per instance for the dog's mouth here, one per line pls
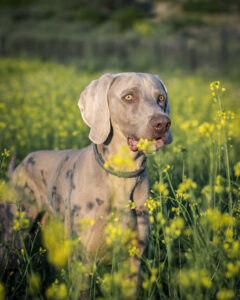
(151, 146)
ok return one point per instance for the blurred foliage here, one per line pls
(211, 6)
(128, 16)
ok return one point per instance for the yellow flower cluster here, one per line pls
(231, 246)
(131, 204)
(185, 187)
(7, 192)
(237, 169)
(58, 247)
(191, 124)
(215, 88)
(175, 228)
(226, 115)
(214, 85)
(160, 219)
(151, 204)
(20, 222)
(161, 188)
(206, 129)
(84, 223)
(218, 188)
(216, 220)
(117, 235)
(56, 291)
(176, 210)
(5, 153)
(120, 281)
(233, 269)
(134, 251)
(164, 170)
(121, 161)
(147, 146)
(194, 278)
(225, 294)
(153, 278)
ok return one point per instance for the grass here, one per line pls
(194, 204)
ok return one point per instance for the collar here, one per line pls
(121, 174)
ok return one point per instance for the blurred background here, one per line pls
(133, 35)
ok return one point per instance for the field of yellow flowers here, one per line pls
(194, 201)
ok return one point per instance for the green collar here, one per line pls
(121, 174)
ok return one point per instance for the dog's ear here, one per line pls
(93, 104)
(170, 136)
(167, 110)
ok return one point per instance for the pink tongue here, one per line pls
(159, 143)
(133, 145)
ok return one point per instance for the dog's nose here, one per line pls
(160, 123)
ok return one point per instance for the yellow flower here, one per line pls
(237, 169)
(193, 277)
(5, 152)
(145, 284)
(232, 270)
(131, 204)
(206, 129)
(56, 291)
(147, 146)
(122, 280)
(151, 204)
(161, 187)
(185, 187)
(216, 220)
(121, 161)
(58, 247)
(115, 234)
(20, 222)
(175, 228)
(2, 291)
(160, 218)
(85, 223)
(215, 85)
(218, 189)
(225, 294)
(206, 282)
(134, 251)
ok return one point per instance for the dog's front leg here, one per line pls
(142, 221)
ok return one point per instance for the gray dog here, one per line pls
(76, 184)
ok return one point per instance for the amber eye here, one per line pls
(161, 98)
(128, 97)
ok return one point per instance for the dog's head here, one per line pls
(136, 104)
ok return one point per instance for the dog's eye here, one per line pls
(161, 98)
(128, 97)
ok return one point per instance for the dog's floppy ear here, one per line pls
(170, 136)
(93, 104)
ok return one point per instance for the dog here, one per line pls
(76, 184)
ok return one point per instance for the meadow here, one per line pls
(194, 201)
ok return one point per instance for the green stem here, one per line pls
(226, 160)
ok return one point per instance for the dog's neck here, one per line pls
(117, 142)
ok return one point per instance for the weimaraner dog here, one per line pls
(76, 184)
